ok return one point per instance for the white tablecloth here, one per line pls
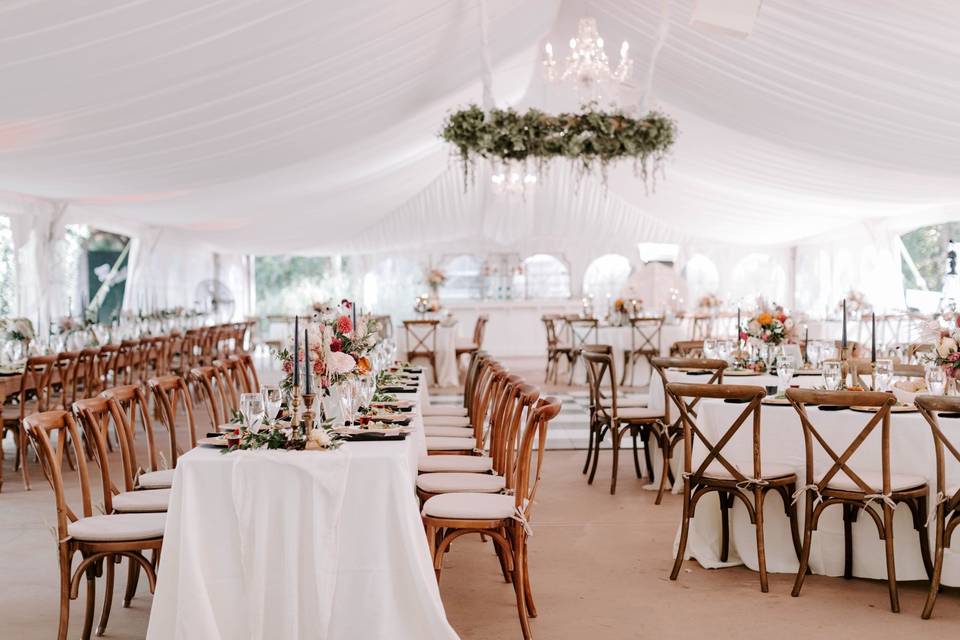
(448, 374)
(911, 446)
(311, 544)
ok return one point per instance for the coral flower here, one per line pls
(344, 325)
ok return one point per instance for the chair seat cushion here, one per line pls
(628, 403)
(874, 479)
(142, 501)
(156, 479)
(466, 343)
(470, 506)
(448, 443)
(460, 482)
(456, 432)
(123, 526)
(638, 413)
(466, 464)
(446, 421)
(442, 410)
(770, 470)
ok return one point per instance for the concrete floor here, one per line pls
(600, 568)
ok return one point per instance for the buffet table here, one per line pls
(911, 446)
(311, 544)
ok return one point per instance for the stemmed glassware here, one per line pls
(345, 397)
(725, 350)
(814, 353)
(786, 367)
(882, 374)
(272, 399)
(832, 374)
(709, 348)
(251, 408)
(936, 379)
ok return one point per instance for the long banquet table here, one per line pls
(911, 445)
(312, 544)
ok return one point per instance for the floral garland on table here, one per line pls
(592, 138)
(771, 327)
(321, 438)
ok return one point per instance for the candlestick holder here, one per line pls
(295, 410)
(308, 412)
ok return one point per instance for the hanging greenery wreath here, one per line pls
(593, 139)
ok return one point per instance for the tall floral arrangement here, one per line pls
(435, 278)
(17, 329)
(769, 326)
(946, 346)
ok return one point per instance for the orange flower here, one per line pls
(363, 365)
(764, 318)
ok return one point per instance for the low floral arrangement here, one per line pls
(17, 329)
(435, 278)
(770, 327)
(709, 301)
(624, 306)
(592, 138)
(319, 439)
(946, 346)
(856, 302)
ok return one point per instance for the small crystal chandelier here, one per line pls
(587, 66)
(511, 181)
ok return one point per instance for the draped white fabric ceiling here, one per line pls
(301, 125)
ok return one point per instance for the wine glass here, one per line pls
(345, 396)
(936, 379)
(832, 374)
(786, 366)
(272, 398)
(814, 353)
(251, 408)
(724, 349)
(709, 348)
(882, 374)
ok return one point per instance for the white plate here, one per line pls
(740, 373)
(218, 441)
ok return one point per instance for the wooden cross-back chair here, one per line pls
(247, 372)
(170, 393)
(475, 343)
(34, 396)
(504, 517)
(687, 349)
(233, 379)
(106, 367)
(65, 375)
(731, 479)
(876, 492)
(209, 385)
(489, 375)
(611, 418)
(645, 342)
(99, 539)
(421, 338)
(583, 331)
(701, 326)
(671, 433)
(946, 517)
(86, 379)
(128, 404)
(555, 348)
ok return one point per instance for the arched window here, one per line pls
(8, 283)
(542, 276)
(464, 278)
(606, 276)
(701, 276)
(758, 274)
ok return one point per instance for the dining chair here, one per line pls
(492, 377)
(35, 396)
(475, 343)
(746, 480)
(687, 349)
(556, 349)
(233, 380)
(946, 516)
(86, 379)
(875, 492)
(250, 381)
(421, 336)
(671, 432)
(209, 385)
(428, 409)
(583, 331)
(128, 404)
(99, 539)
(645, 343)
(170, 393)
(504, 517)
(107, 367)
(611, 418)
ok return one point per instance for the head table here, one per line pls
(912, 452)
(308, 544)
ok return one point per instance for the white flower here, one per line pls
(753, 327)
(321, 437)
(340, 363)
(930, 332)
(946, 346)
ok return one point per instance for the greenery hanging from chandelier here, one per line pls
(592, 139)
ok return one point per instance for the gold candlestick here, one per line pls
(308, 412)
(295, 409)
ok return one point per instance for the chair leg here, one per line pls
(626, 365)
(133, 578)
(615, 434)
(91, 601)
(665, 450)
(107, 596)
(518, 588)
(850, 513)
(792, 515)
(726, 501)
(645, 439)
(805, 553)
(758, 496)
(504, 565)
(920, 513)
(586, 464)
(597, 439)
(891, 568)
(684, 531)
(64, 595)
(937, 567)
(531, 607)
(636, 454)
(23, 455)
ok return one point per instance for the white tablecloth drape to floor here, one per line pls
(312, 544)
(448, 374)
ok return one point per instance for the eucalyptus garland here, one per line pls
(591, 138)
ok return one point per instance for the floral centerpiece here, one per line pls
(709, 302)
(769, 327)
(946, 346)
(18, 330)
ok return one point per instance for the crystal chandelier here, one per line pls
(511, 181)
(587, 66)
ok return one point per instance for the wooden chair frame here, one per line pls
(583, 331)
(167, 390)
(418, 334)
(645, 342)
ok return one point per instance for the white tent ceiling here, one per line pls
(305, 125)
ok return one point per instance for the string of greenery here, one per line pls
(590, 138)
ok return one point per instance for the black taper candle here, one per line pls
(353, 305)
(873, 337)
(806, 343)
(306, 364)
(738, 327)
(296, 351)
(843, 337)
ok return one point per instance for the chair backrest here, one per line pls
(930, 407)
(208, 380)
(645, 334)
(86, 374)
(59, 423)
(706, 366)
(915, 350)
(687, 349)
(106, 367)
(583, 331)
(66, 370)
(470, 378)
(126, 402)
(485, 400)
(881, 402)
(249, 380)
(527, 471)
(167, 390)
(506, 438)
(232, 378)
(94, 417)
(421, 336)
(480, 329)
(550, 326)
(684, 395)
(602, 379)
(37, 377)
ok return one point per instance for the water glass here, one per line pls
(814, 353)
(709, 348)
(786, 366)
(936, 379)
(832, 374)
(724, 349)
(251, 408)
(882, 374)
(272, 398)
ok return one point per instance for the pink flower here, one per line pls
(346, 304)
(344, 325)
(336, 344)
(341, 362)
(319, 367)
(287, 366)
